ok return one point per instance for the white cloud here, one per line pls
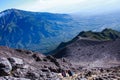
(69, 6)
(50, 5)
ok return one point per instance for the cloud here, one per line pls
(71, 6)
(50, 5)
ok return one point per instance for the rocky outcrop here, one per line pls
(18, 64)
(5, 67)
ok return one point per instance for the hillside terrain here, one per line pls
(88, 57)
(92, 47)
(16, 64)
(35, 31)
(43, 32)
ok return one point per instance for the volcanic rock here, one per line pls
(16, 62)
(23, 64)
(5, 67)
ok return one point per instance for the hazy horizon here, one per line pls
(61, 6)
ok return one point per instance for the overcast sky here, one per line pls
(63, 6)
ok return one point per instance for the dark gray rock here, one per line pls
(15, 61)
(45, 70)
(54, 60)
(32, 75)
(37, 57)
(5, 67)
(19, 72)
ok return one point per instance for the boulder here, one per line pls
(19, 72)
(54, 60)
(16, 62)
(32, 75)
(45, 70)
(37, 57)
(5, 67)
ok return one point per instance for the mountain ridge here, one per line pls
(43, 32)
(105, 35)
(83, 50)
(32, 30)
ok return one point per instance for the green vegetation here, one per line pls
(106, 34)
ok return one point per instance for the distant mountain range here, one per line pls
(91, 47)
(43, 32)
(99, 22)
(35, 31)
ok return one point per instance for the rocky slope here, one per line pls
(91, 52)
(18, 64)
(112, 73)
